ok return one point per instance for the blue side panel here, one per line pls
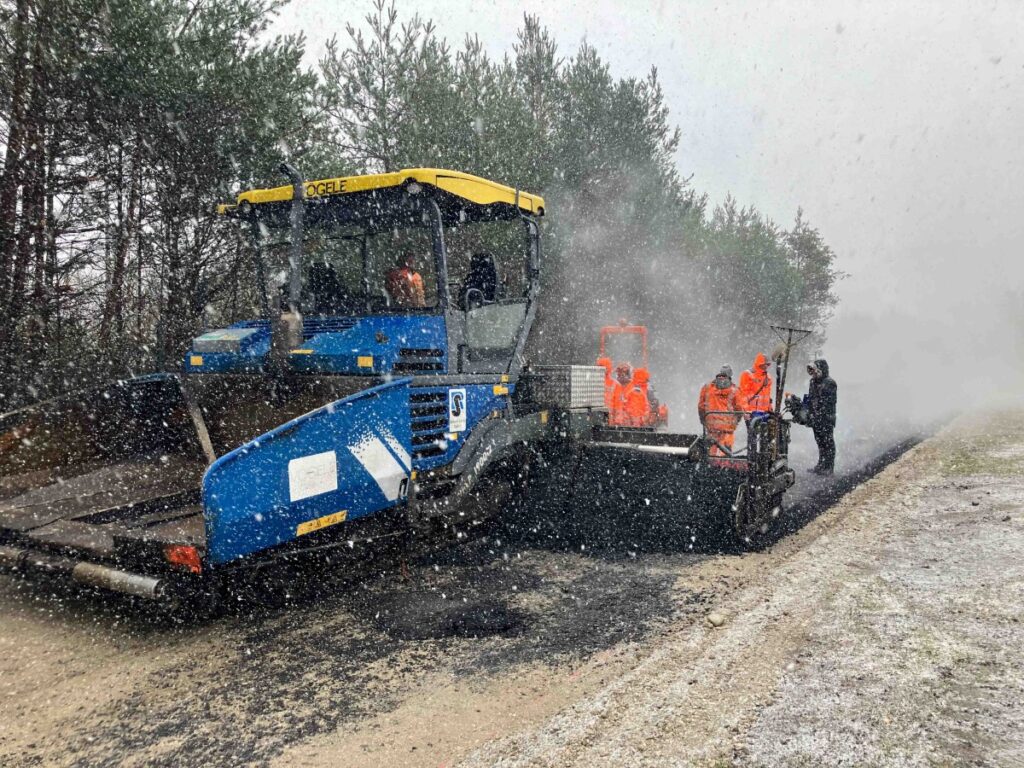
(249, 358)
(436, 436)
(351, 456)
(374, 344)
(370, 345)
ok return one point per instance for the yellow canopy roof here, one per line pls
(464, 185)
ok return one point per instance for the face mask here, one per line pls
(721, 382)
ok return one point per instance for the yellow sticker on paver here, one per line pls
(365, 361)
(321, 522)
(196, 360)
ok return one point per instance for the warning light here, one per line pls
(184, 556)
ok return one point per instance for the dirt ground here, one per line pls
(884, 629)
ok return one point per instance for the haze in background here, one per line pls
(897, 128)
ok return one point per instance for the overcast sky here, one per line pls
(897, 126)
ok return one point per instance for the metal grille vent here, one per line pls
(419, 361)
(428, 411)
(311, 326)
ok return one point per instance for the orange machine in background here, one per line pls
(632, 405)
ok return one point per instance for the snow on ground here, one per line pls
(893, 636)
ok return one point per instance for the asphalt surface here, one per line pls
(104, 681)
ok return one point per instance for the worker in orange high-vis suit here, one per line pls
(718, 411)
(609, 382)
(755, 390)
(637, 405)
(617, 411)
(404, 284)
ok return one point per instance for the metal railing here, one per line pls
(767, 437)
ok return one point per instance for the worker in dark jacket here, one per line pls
(821, 415)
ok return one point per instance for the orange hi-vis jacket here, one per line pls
(721, 427)
(711, 404)
(755, 390)
(617, 409)
(637, 405)
(405, 285)
(609, 382)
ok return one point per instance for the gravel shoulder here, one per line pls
(886, 632)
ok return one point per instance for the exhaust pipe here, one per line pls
(94, 575)
(87, 574)
(295, 236)
(286, 333)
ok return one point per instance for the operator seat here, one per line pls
(481, 286)
(329, 295)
